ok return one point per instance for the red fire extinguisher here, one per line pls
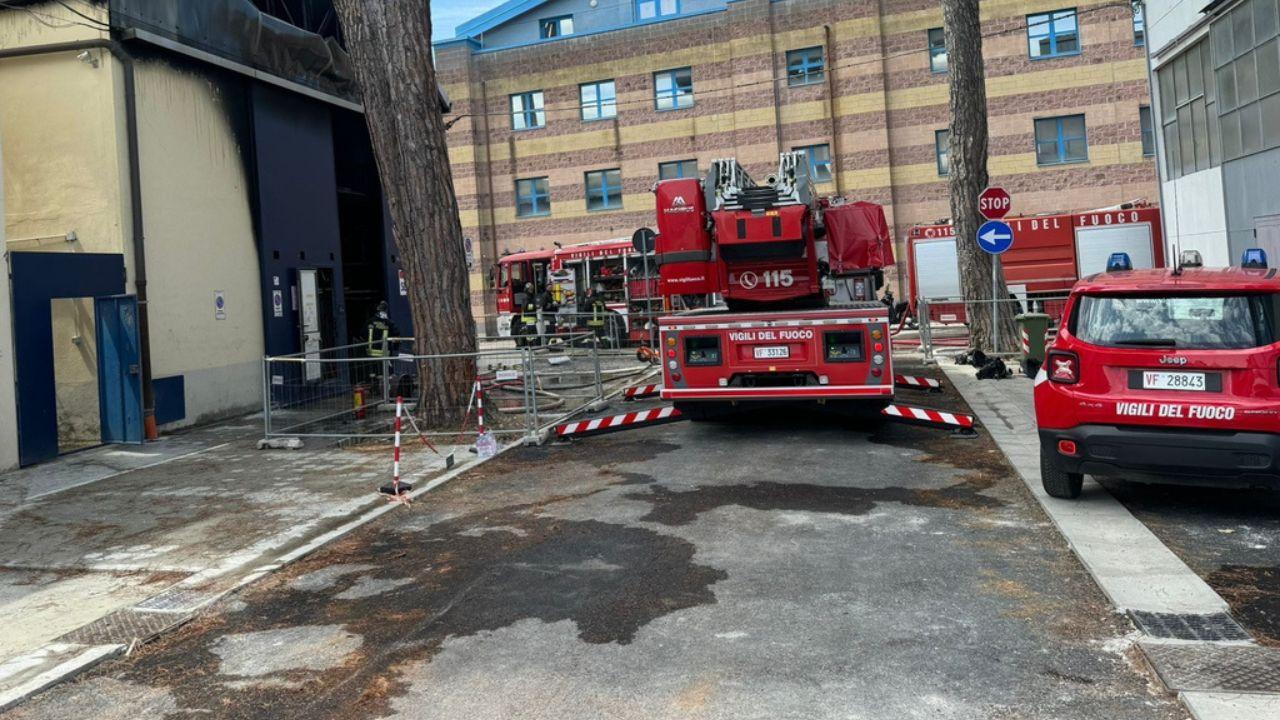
(359, 402)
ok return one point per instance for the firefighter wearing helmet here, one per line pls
(379, 331)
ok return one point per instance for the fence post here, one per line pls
(595, 359)
(266, 395)
(926, 332)
(531, 382)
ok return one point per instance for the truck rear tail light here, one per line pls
(675, 377)
(878, 347)
(1064, 367)
(671, 353)
(673, 365)
(1068, 447)
(875, 372)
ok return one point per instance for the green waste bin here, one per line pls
(1032, 328)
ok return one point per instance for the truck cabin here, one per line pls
(514, 271)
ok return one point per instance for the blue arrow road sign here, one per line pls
(995, 237)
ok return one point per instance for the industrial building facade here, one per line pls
(568, 111)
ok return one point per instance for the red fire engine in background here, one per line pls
(1050, 253)
(798, 278)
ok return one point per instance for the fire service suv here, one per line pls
(1166, 375)
(1052, 252)
(798, 278)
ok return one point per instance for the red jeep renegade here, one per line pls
(1164, 376)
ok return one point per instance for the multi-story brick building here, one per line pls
(569, 110)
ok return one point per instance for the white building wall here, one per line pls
(1195, 217)
(1167, 19)
(8, 403)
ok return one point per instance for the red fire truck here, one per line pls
(612, 267)
(1049, 254)
(798, 277)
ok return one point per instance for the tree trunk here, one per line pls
(390, 46)
(967, 148)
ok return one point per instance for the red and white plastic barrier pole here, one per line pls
(641, 391)
(479, 407)
(957, 421)
(626, 421)
(916, 382)
(397, 489)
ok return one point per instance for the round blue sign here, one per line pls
(995, 237)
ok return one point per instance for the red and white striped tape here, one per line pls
(1026, 342)
(916, 381)
(907, 412)
(626, 421)
(641, 391)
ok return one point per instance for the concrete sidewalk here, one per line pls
(108, 547)
(1185, 631)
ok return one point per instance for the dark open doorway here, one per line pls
(359, 221)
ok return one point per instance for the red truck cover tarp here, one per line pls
(857, 237)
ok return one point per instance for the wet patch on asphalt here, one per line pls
(609, 580)
(672, 507)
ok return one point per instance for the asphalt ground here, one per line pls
(787, 565)
(1230, 538)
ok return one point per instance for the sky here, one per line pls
(449, 14)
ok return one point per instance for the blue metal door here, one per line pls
(119, 369)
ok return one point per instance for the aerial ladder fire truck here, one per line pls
(798, 277)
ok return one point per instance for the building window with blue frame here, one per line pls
(942, 151)
(1053, 34)
(533, 197)
(678, 169)
(598, 100)
(654, 9)
(526, 111)
(554, 27)
(1061, 140)
(673, 89)
(937, 51)
(604, 190)
(804, 66)
(819, 157)
(1139, 25)
(1148, 130)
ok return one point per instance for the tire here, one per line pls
(1058, 482)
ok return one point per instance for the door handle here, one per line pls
(134, 369)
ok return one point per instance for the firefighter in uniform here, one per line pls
(379, 331)
(599, 313)
(528, 317)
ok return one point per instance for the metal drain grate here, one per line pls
(176, 601)
(1225, 668)
(1216, 627)
(124, 627)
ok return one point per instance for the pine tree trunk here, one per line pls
(390, 46)
(968, 172)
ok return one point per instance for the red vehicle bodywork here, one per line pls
(1085, 394)
(513, 271)
(779, 339)
(863, 370)
(1043, 258)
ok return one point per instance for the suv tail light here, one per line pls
(1063, 367)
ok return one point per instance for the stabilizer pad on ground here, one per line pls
(926, 416)
(625, 421)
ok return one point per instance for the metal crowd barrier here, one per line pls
(350, 392)
(944, 321)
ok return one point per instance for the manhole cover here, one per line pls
(123, 627)
(176, 601)
(1239, 668)
(1216, 627)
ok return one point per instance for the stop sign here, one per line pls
(994, 203)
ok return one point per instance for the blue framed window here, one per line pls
(1053, 34)
(533, 197)
(942, 151)
(526, 111)
(1139, 25)
(673, 89)
(937, 51)
(1061, 140)
(654, 9)
(1148, 130)
(678, 169)
(819, 157)
(554, 27)
(604, 189)
(598, 100)
(804, 66)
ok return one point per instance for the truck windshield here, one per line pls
(1187, 322)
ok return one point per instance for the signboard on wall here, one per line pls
(219, 305)
(277, 303)
(404, 284)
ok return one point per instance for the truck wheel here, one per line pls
(1058, 482)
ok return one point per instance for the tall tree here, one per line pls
(390, 46)
(967, 148)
